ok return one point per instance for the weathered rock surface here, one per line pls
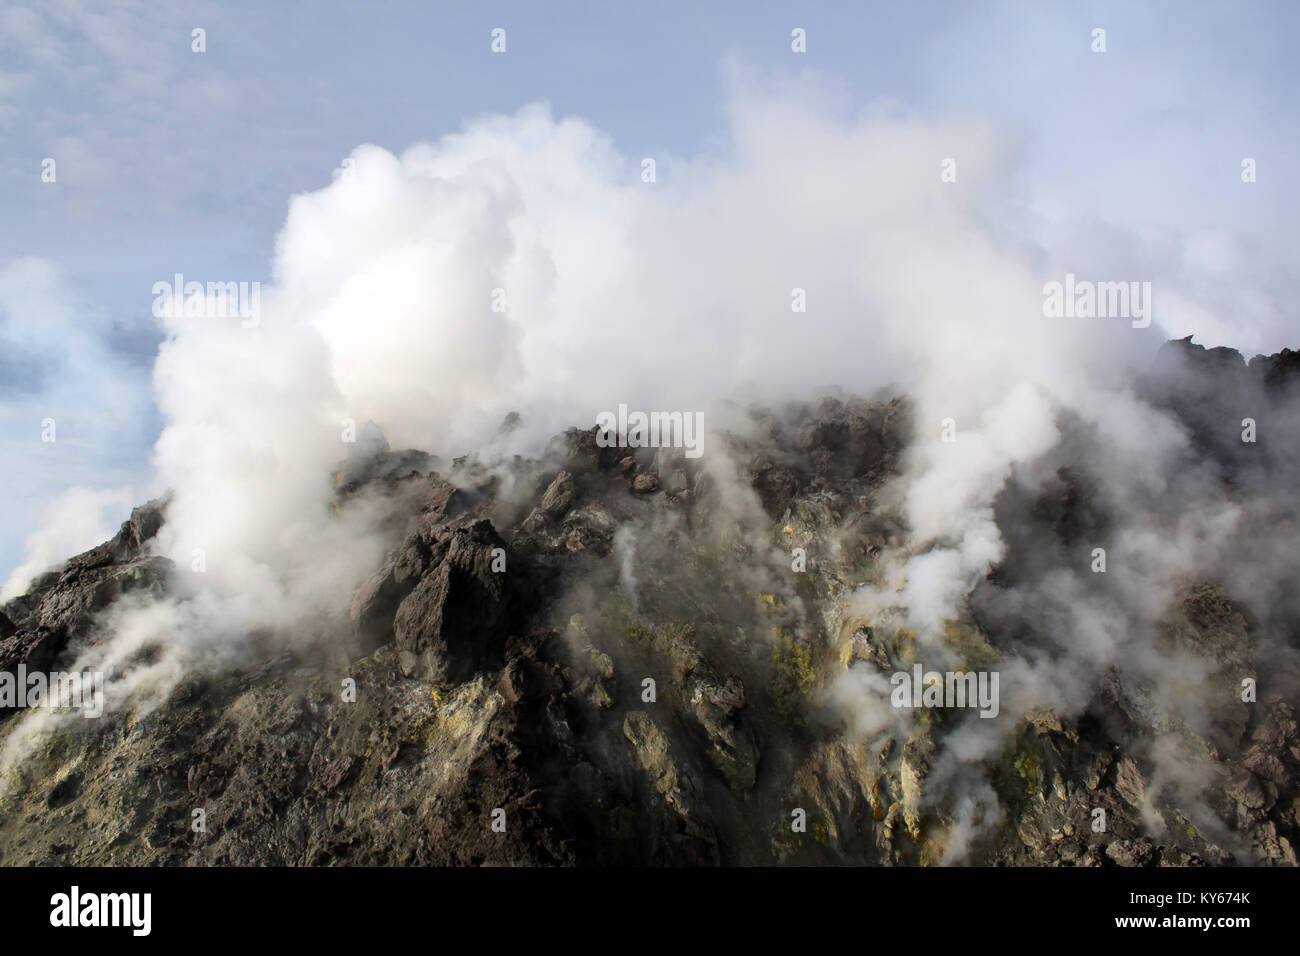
(61, 604)
(606, 665)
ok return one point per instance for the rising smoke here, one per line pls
(677, 294)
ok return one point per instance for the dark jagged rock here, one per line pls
(1213, 392)
(62, 603)
(595, 662)
(457, 619)
(1280, 372)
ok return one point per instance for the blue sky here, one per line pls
(172, 161)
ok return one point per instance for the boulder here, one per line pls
(455, 622)
(559, 495)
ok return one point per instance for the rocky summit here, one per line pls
(613, 655)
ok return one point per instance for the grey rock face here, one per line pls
(62, 603)
(602, 649)
(559, 495)
(456, 621)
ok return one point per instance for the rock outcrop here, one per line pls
(614, 664)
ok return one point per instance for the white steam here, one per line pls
(665, 295)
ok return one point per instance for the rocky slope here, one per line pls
(501, 653)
